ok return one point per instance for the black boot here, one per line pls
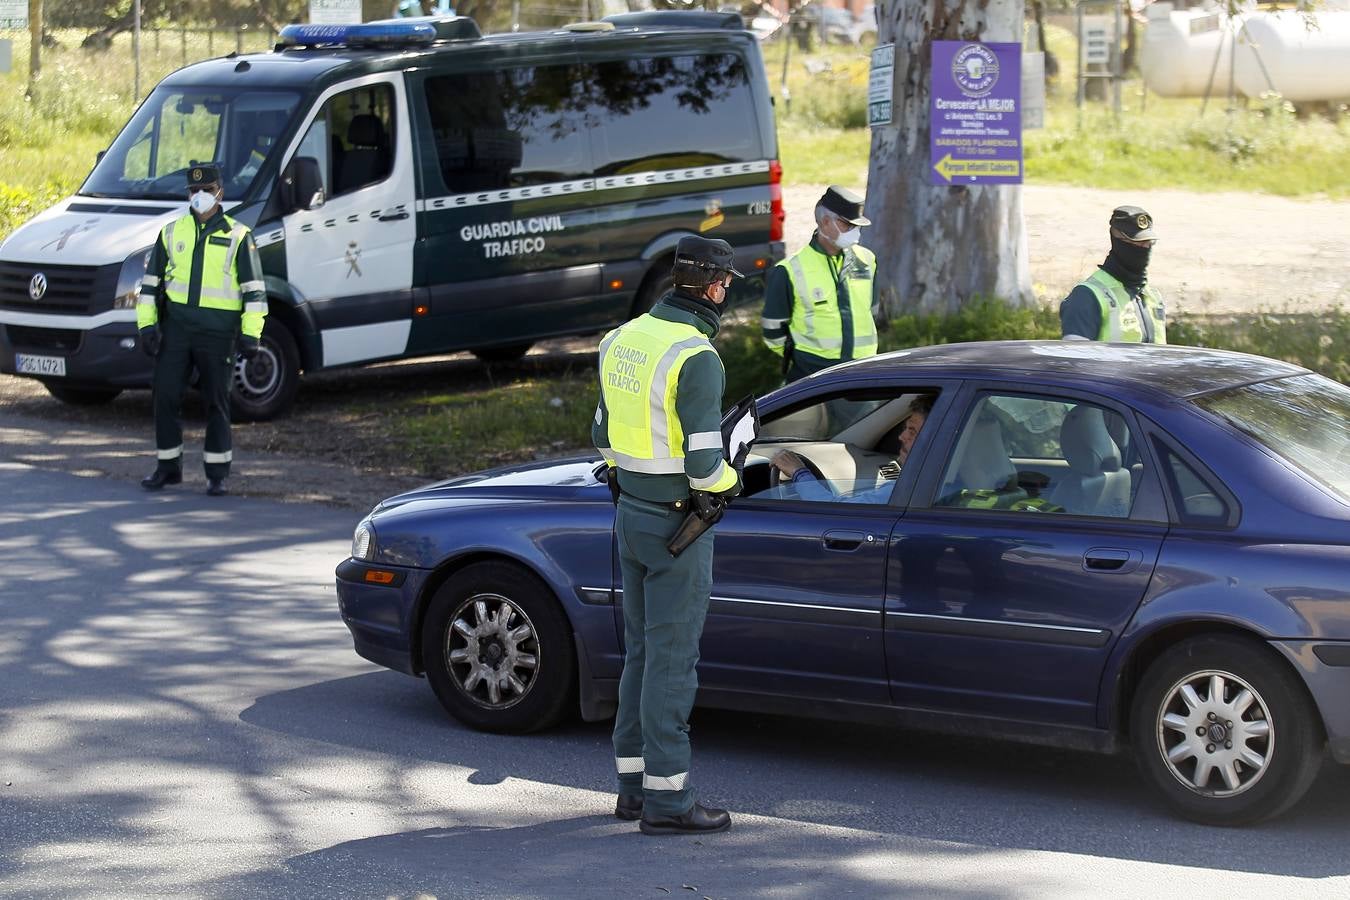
(216, 487)
(628, 807)
(699, 820)
(160, 477)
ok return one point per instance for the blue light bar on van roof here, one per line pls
(370, 34)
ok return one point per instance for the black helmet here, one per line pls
(701, 261)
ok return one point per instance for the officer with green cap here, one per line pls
(818, 302)
(1116, 302)
(658, 427)
(202, 295)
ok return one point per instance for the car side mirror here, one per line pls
(98, 157)
(303, 184)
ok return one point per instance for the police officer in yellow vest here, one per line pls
(1116, 302)
(818, 302)
(203, 292)
(658, 427)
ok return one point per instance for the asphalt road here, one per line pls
(181, 714)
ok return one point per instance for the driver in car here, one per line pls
(806, 486)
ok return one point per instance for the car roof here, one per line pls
(1173, 371)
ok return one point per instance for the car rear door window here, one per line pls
(1198, 501)
(672, 112)
(1026, 454)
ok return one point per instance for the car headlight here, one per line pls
(363, 541)
(129, 279)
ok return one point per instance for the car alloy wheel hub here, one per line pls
(492, 650)
(1215, 734)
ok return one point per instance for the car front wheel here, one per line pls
(1226, 731)
(498, 651)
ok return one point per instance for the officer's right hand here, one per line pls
(612, 476)
(150, 340)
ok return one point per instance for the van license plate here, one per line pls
(40, 365)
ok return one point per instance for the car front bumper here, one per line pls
(107, 356)
(380, 616)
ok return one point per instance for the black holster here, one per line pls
(705, 511)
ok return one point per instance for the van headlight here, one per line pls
(363, 541)
(129, 279)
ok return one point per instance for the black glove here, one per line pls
(248, 346)
(150, 340)
(612, 476)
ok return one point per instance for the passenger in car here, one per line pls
(900, 439)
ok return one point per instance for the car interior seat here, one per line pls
(984, 475)
(366, 160)
(1095, 485)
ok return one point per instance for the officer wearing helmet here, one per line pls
(658, 427)
(1116, 302)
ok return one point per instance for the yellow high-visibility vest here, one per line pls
(640, 365)
(220, 287)
(816, 325)
(1120, 314)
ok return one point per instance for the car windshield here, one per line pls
(1304, 418)
(178, 127)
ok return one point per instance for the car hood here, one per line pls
(99, 233)
(553, 479)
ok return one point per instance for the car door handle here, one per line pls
(843, 541)
(1108, 559)
(393, 216)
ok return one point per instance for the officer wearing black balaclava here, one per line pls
(1116, 302)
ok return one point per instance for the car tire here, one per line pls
(484, 608)
(507, 354)
(1262, 736)
(265, 386)
(82, 396)
(657, 284)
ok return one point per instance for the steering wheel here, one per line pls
(775, 474)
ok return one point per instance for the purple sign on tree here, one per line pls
(976, 113)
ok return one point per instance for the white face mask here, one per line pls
(848, 238)
(202, 201)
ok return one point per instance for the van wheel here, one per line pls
(265, 386)
(656, 285)
(506, 354)
(498, 650)
(81, 396)
(1226, 731)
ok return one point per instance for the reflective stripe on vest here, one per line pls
(220, 283)
(1120, 314)
(639, 373)
(817, 327)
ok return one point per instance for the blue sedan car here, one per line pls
(1091, 545)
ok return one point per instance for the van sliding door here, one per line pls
(508, 248)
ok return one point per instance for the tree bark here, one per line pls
(939, 246)
(34, 45)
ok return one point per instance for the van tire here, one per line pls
(506, 354)
(265, 386)
(81, 396)
(656, 285)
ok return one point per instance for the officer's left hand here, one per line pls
(248, 346)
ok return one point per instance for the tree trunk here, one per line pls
(34, 46)
(939, 246)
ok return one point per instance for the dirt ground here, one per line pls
(1218, 253)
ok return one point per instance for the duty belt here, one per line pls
(677, 505)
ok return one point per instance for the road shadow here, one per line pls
(889, 781)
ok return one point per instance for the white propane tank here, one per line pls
(1306, 62)
(1178, 52)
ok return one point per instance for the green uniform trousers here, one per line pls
(212, 352)
(665, 601)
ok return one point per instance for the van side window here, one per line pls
(673, 112)
(352, 138)
(510, 128)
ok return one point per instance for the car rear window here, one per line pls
(1304, 419)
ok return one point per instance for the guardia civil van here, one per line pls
(414, 188)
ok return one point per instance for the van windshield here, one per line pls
(177, 127)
